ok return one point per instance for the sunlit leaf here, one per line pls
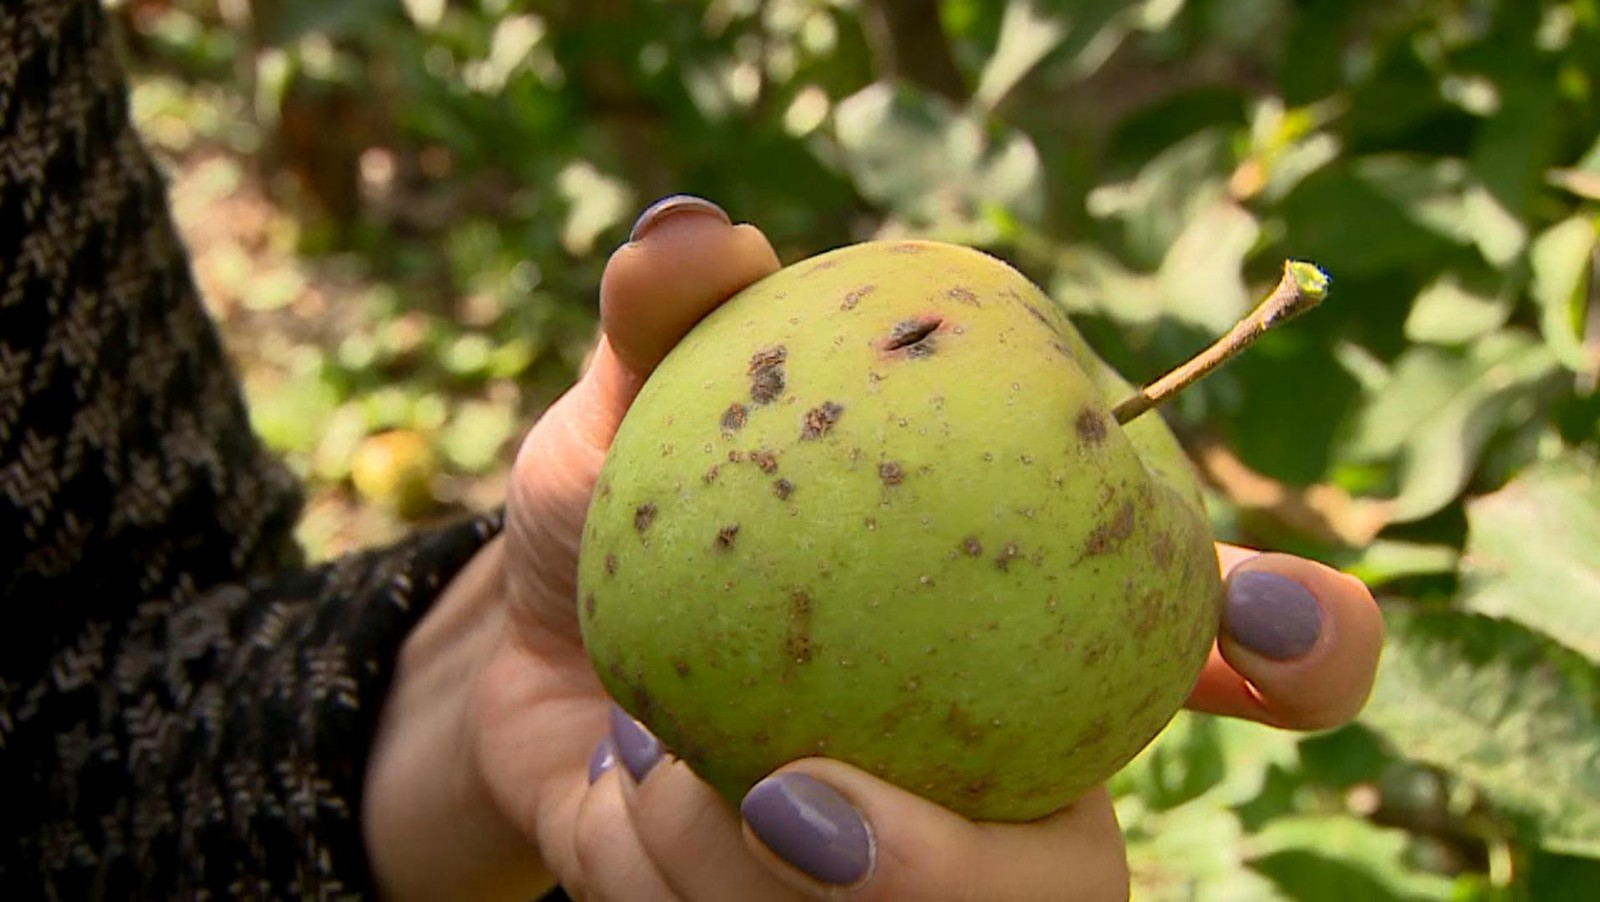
(475, 438)
(1333, 858)
(1508, 709)
(1191, 853)
(1457, 307)
(1563, 261)
(1198, 756)
(929, 162)
(1533, 552)
(1202, 277)
(1157, 204)
(1027, 35)
(1438, 411)
(1386, 560)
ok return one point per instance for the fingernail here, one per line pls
(638, 749)
(1271, 615)
(806, 823)
(603, 759)
(672, 206)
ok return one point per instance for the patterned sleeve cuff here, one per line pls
(219, 747)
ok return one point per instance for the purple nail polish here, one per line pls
(806, 823)
(1271, 615)
(603, 759)
(638, 750)
(671, 206)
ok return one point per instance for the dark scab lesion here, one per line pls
(589, 605)
(914, 336)
(891, 473)
(783, 488)
(971, 547)
(680, 667)
(726, 536)
(962, 294)
(1163, 549)
(797, 645)
(611, 565)
(710, 475)
(820, 420)
(767, 378)
(961, 725)
(1008, 553)
(854, 296)
(1090, 426)
(643, 516)
(734, 418)
(765, 460)
(1109, 535)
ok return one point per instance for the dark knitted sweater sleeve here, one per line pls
(185, 709)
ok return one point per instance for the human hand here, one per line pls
(486, 779)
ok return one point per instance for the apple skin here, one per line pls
(875, 508)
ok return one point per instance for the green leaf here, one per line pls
(1089, 280)
(1533, 552)
(1199, 757)
(1026, 37)
(931, 163)
(1563, 258)
(1456, 308)
(292, 20)
(1190, 853)
(475, 439)
(1509, 710)
(1201, 278)
(1158, 203)
(1340, 857)
(1386, 560)
(1439, 409)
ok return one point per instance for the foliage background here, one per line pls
(400, 208)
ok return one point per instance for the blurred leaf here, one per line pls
(1438, 411)
(1385, 560)
(289, 414)
(1026, 37)
(1457, 307)
(425, 13)
(1190, 852)
(1551, 876)
(1202, 276)
(1360, 223)
(1197, 756)
(1338, 857)
(1158, 203)
(1510, 710)
(1090, 32)
(1088, 280)
(913, 152)
(1533, 552)
(596, 202)
(1563, 260)
(1343, 757)
(287, 21)
(475, 437)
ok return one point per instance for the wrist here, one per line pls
(432, 826)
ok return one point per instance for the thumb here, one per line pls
(683, 259)
(831, 830)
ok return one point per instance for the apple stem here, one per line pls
(1302, 287)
